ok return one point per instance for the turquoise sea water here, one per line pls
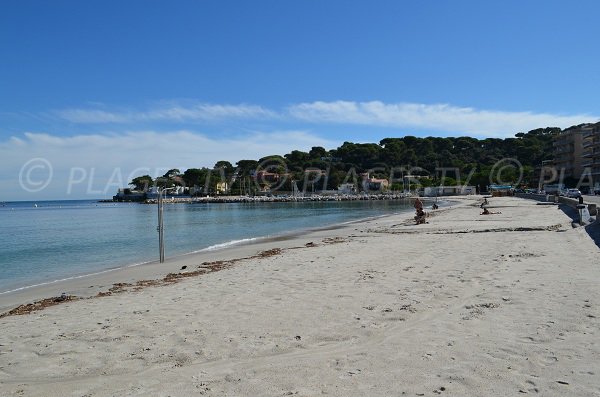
(60, 239)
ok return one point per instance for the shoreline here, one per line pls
(98, 281)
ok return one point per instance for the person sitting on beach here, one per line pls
(486, 212)
(485, 202)
(434, 206)
(418, 204)
(420, 217)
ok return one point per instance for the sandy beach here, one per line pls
(465, 305)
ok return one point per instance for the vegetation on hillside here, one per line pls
(431, 160)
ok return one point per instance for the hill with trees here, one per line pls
(431, 160)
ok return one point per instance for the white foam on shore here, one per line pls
(228, 244)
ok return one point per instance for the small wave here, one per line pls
(227, 244)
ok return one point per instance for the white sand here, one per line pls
(466, 305)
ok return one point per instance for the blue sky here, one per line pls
(101, 85)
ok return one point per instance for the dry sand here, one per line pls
(466, 305)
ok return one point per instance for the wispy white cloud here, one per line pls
(210, 112)
(438, 117)
(173, 113)
(93, 116)
(416, 117)
(95, 166)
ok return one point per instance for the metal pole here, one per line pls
(161, 244)
(162, 226)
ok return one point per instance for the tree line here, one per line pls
(430, 160)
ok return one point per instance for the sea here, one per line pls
(44, 241)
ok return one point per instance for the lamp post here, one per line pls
(161, 228)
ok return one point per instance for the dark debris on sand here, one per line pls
(39, 305)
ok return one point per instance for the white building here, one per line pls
(347, 188)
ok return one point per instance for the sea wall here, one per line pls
(571, 202)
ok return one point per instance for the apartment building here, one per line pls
(591, 151)
(568, 150)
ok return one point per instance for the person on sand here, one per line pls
(420, 214)
(418, 204)
(486, 212)
(485, 202)
(420, 217)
